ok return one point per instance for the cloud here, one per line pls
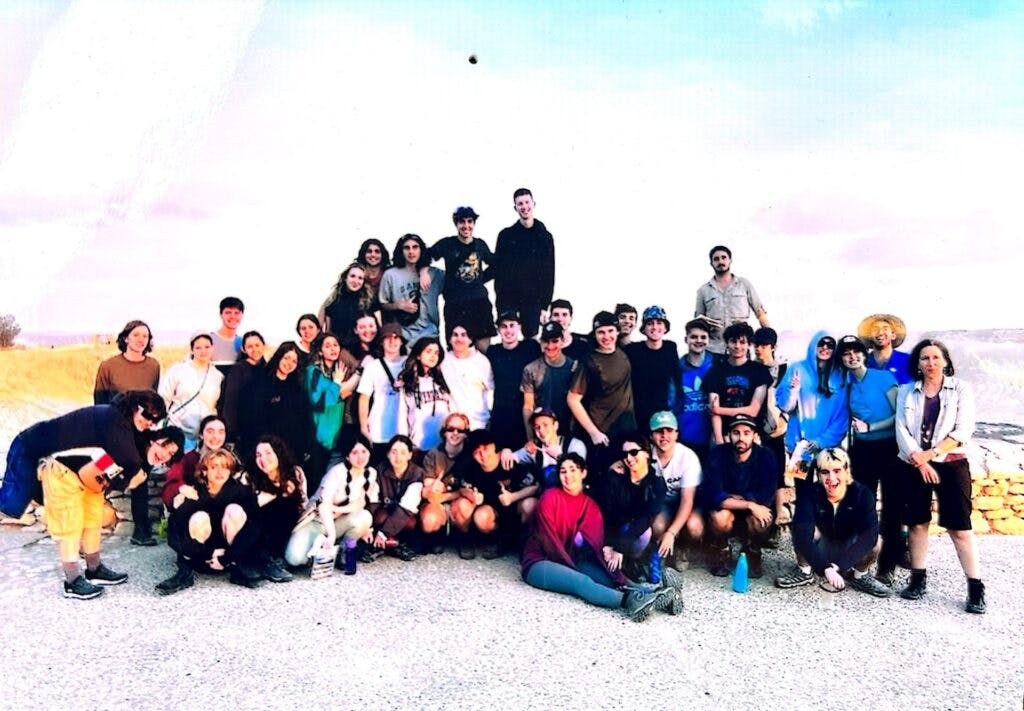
(799, 15)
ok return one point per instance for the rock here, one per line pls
(1016, 489)
(1013, 500)
(1009, 526)
(988, 503)
(123, 529)
(121, 503)
(999, 513)
(980, 525)
(999, 489)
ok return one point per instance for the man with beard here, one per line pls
(726, 299)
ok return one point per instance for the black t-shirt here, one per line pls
(655, 375)
(735, 384)
(463, 266)
(578, 348)
(487, 483)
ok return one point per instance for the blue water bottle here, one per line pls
(655, 574)
(740, 577)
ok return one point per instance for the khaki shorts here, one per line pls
(70, 507)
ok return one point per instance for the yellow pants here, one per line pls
(70, 507)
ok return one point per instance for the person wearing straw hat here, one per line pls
(882, 334)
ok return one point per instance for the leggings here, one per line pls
(590, 582)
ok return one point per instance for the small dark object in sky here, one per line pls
(472, 59)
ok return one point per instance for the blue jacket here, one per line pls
(824, 420)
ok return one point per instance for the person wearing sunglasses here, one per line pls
(631, 497)
(440, 485)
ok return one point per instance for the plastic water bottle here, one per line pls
(655, 574)
(350, 557)
(740, 579)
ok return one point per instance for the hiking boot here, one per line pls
(718, 563)
(669, 601)
(435, 544)
(794, 579)
(773, 540)
(871, 585)
(244, 575)
(755, 563)
(402, 552)
(103, 575)
(491, 550)
(143, 538)
(367, 554)
(886, 576)
(275, 572)
(917, 586)
(183, 578)
(639, 603)
(670, 578)
(82, 589)
(975, 597)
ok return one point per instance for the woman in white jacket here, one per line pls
(934, 422)
(191, 388)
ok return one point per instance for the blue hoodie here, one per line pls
(823, 420)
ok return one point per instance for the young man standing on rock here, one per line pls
(883, 334)
(726, 299)
(524, 265)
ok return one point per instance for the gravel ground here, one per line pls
(440, 632)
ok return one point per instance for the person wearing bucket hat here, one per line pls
(524, 265)
(883, 334)
(726, 299)
(655, 364)
(465, 292)
(508, 358)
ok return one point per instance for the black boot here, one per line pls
(975, 596)
(917, 586)
(183, 578)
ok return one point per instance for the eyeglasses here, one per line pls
(631, 453)
(456, 430)
(827, 346)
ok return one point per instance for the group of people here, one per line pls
(603, 462)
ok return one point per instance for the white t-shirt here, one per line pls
(682, 472)
(471, 382)
(385, 408)
(423, 413)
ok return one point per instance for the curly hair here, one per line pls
(412, 371)
(914, 362)
(363, 297)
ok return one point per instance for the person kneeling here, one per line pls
(212, 526)
(835, 529)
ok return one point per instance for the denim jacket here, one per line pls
(956, 416)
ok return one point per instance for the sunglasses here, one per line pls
(626, 453)
(828, 346)
(456, 430)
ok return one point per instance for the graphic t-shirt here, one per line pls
(463, 266)
(735, 384)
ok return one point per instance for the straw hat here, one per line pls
(867, 326)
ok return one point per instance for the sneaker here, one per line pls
(436, 544)
(103, 575)
(402, 552)
(185, 577)
(718, 563)
(143, 538)
(368, 554)
(237, 578)
(82, 589)
(274, 571)
(975, 597)
(871, 585)
(467, 551)
(916, 588)
(669, 601)
(794, 579)
(886, 576)
(491, 551)
(755, 564)
(670, 578)
(639, 604)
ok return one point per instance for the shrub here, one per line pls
(9, 330)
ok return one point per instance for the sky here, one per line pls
(856, 156)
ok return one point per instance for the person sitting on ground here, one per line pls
(213, 525)
(401, 488)
(440, 481)
(680, 467)
(191, 388)
(494, 503)
(565, 551)
(631, 497)
(131, 369)
(122, 452)
(338, 509)
(835, 530)
(212, 435)
(541, 454)
(737, 497)
(280, 486)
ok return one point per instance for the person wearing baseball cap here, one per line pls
(545, 381)
(508, 358)
(655, 364)
(601, 394)
(542, 452)
(679, 466)
(737, 496)
(883, 334)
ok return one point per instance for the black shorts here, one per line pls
(475, 315)
(953, 492)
